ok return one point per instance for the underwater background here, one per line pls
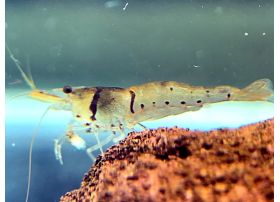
(118, 43)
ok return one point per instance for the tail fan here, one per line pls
(260, 90)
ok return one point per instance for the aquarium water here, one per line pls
(122, 43)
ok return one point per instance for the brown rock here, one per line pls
(181, 165)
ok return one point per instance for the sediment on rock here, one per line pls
(172, 164)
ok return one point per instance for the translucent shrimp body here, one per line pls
(114, 109)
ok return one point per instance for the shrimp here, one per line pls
(115, 109)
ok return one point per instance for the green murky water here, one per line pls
(119, 43)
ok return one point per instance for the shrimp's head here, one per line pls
(81, 101)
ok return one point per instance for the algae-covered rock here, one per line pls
(172, 164)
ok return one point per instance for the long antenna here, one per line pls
(28, 67)
(35, 133)
(27, 79)
(18, 95)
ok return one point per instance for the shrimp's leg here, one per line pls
(57, 148)
(142, 126)
(121, 131)
(99, 146)
(121, 137)
(59, 142)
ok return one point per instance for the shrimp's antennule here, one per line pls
(36, 93)
(28, 79)
(39, 95)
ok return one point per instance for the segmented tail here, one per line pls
(260, 90)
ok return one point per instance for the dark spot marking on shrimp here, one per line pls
(171, 88)
(93, 105)
(154, 103)
(198, 101)
(207, 91)
(142, 106)
(87, 124)
(183, 102)
(112, 125)
(191, 92)
(228, 95)
(78, 116)
(132, 101)
(97, 126)
(167, 102)
(88, 130)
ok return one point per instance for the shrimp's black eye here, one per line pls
(67, 89)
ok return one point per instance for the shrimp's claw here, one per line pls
(76, 140)
(57, 150)
(73, 138)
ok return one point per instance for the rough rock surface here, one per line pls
(181, 165)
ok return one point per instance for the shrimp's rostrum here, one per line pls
(114, 109)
